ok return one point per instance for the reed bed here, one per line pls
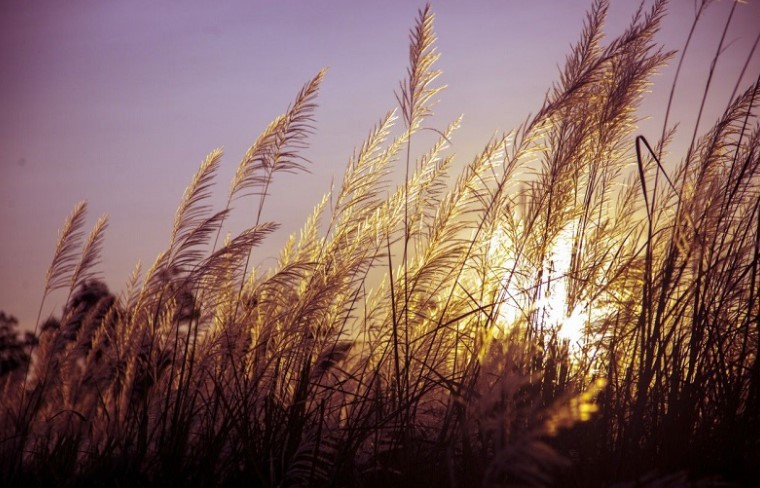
(563, 311)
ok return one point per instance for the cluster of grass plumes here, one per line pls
(413, 336)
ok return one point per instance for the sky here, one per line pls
(117, 103)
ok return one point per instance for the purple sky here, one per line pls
(117, 103)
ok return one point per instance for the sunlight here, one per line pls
(570, 323)
(553, 305)
(508, 306)
(570, 320)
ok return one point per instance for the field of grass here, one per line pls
(567, 310)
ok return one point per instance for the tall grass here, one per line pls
(417, 334)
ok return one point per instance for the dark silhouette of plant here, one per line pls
(14, 351)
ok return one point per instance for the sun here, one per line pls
(568, 318)
(555, 308)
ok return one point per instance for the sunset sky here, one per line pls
(117, 103)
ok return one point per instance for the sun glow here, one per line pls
(555, 309)
(556, 306)
(570, 313)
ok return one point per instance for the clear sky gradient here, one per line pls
(118, 102)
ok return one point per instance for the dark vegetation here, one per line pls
(454, 368)
(14, 352)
